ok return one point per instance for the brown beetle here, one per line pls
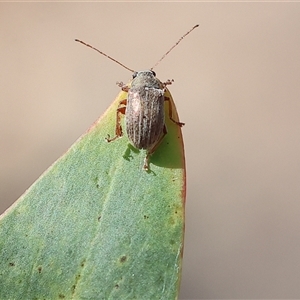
(143, 108)
(144, 113)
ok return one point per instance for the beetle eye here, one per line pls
(134, 75)
(154, 74)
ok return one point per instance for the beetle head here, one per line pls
(146, 73)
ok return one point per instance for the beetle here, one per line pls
(143, 108)
(144, 113)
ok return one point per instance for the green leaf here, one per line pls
(96, 225)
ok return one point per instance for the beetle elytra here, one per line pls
(143, 108)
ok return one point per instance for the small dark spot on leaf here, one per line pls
(123, 258)
(73, 288)
(40, 269)
(12, 264)
(116, 286)
(175, 211)
(61, 296)
(83, 263)
(99, 218)
(146, 217)
(97, 185)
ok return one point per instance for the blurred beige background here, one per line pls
(236, 87)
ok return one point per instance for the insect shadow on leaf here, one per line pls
(128, 152)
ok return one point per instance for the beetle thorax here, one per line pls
(145, 78)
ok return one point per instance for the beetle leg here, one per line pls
(170, 113)
(168, 82)
(120, 110)
(123, 86)
(152, 150)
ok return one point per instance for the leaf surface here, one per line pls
(95, 225)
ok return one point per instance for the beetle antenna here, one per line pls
(174, 46)
(104, 54)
